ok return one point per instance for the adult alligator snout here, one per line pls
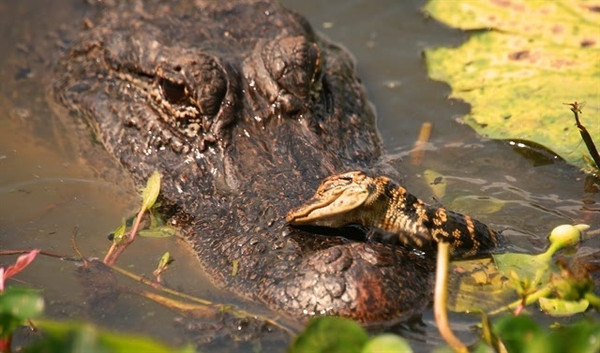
(244, 110)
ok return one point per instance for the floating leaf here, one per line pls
(151, 191)
(436, 182)
(561, 307)
(17, 305)
(387, 343)
(477, 286)
(482, 205)
(331, 335)
(158, 232)
(539, 55)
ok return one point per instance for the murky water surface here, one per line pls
(46, 192)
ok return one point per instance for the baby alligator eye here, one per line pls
(174, 93)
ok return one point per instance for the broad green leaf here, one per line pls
(17, 305)
(523, 334)
(151, 191)
(527, 272)
(388, 343)
(538, 55)
(560, 307)
(331, 335)
(85, 338)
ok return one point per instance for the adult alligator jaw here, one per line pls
(355, 198)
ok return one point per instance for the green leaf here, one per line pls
(331, 335)
(85, 338)
(561, 307)
(158, 232)
(528, 272)
(151, 191)
(17, 305)
(387, 343)
(119, 233)
(523, 334)
(165, 259)
(539, 55)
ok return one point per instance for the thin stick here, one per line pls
(440, 299)
(418, 153)
(42, 252)
(585, 135)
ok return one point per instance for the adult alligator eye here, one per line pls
(173, 92)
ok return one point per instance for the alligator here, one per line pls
(377, 202)
(243, 110)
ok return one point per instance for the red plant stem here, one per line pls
(113, 255)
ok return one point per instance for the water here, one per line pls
(47, 194)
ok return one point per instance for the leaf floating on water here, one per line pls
(158, 232)
(481, 205)
(561, 307)
(478, 286)
(151, 191)
(437, 183)
(538, 55)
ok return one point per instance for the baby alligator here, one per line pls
(356, 198)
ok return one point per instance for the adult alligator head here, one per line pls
(243, 110)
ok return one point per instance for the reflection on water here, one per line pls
(46, 192)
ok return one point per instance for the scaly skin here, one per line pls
(355, 198)
(243, 109)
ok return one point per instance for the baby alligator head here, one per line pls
(355, 198)
(243, 110)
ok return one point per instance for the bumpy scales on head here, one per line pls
(355, 198)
